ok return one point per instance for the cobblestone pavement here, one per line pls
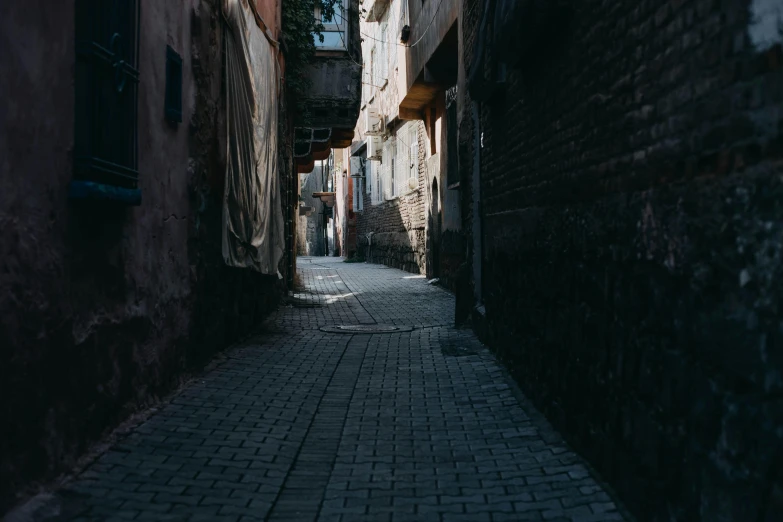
(299, 424)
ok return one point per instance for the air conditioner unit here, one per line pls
(373, 122)
(356, 167)
(374, 147)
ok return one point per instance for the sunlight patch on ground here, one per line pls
(334, 298)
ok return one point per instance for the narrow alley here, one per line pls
(482, 260)
(300, 424)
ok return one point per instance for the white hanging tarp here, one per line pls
(252, 213)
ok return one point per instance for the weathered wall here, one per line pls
(103, 307)
(37, 39)
(631, 180)
(271, 12)
(227, 302)
(398, 224)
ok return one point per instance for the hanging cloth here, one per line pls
(252, 213)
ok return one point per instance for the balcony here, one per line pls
(431, 65)
(335, 92)
(375, 9)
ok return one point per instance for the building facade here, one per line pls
(114, 282)
(408, 212)
(333, 107)
(623, 161)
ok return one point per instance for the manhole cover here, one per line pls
(365, 328)
(457, 351)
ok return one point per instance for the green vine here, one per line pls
(300, 28)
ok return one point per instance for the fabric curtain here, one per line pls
(252, 213)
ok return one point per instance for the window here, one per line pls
(173, 86)
(373, 69)
(388, 170)
(378, 178)
(368, 175)
(106, 105)
(433, 120)
(392, 172)
(335, 36)
(364, 82)
(402, 160)
(384, 58)
(358, 194)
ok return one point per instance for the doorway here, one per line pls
(434, 226)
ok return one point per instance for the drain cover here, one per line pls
(365, 328)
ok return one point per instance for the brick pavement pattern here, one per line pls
(299, 424)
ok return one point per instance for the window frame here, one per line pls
(340, 27)
(393, 167)
(384, 67)
(106, 143)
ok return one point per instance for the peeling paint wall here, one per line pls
(103, 309)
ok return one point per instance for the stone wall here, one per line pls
(397, 224)
(631, 184)
(104, 308)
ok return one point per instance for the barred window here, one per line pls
(106, 95)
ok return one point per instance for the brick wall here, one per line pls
(631, 182)
(398, 225)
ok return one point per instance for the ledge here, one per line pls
(88, 190)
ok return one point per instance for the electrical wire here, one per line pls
(340, 33)
(357, 63)
(414, 43)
